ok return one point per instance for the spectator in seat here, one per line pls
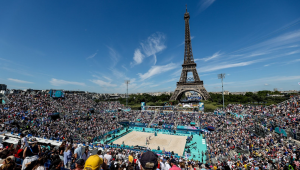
(94, 162)
(30, 153)
(173, 165)
(79, 165)
(68, 157)
(148, 161)
(8, 164)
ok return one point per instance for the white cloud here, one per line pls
(150, 47)
(221, 66)
(103, 83)
(170, 80)
(92, 56)
(237, 55)
(192, 37)
(204, 4)
(154, 85)
(293, 52)
(154, 70)
(155, 60)
(133, 86)
(202, 75)
(124, 67)
(218, 84)
(268, 80)
(278, 80)
(266, 84)
(283, 78)
(268, 47)
(293, 61)
(56, 82)
(20, 81)
(154, 44)
(293, 46)
(118, 74)
(114, 56)
(284, 39)
(270, 64)
(12, 69)
(109, 79)
(6, 60)
(257, 54)
(167, 81)
(215, 55)
(177, 73)
(274, 44)
(138, 56)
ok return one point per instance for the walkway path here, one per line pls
(244, 111)
(176, 118)
(152, 119)
(138, 116)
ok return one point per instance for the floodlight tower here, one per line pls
(222, 76)
(127, 82)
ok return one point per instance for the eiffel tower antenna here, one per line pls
(186, 83)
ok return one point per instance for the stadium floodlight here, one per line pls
(127, 82)
(222, 76)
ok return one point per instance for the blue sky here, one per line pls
(96, 45)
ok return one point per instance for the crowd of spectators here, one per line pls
(235, 144)
(166, 118)
(186, 118)
(33, 156)
(39, 115)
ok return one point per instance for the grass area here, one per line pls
(135, 106)
(210, 106)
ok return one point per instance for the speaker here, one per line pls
(160, 123)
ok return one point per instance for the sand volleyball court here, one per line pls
(169, 142)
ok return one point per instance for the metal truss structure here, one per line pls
(189, 83)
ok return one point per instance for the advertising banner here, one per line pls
(143, 104)
(201, 106)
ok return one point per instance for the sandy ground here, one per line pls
(169, 142)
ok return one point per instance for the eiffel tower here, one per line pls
(189, 83)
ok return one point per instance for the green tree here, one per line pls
(249, 94)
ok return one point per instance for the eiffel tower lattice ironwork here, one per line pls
(189, 83)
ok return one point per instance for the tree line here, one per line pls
(261, 97)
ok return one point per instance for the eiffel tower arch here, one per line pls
(186, 83)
